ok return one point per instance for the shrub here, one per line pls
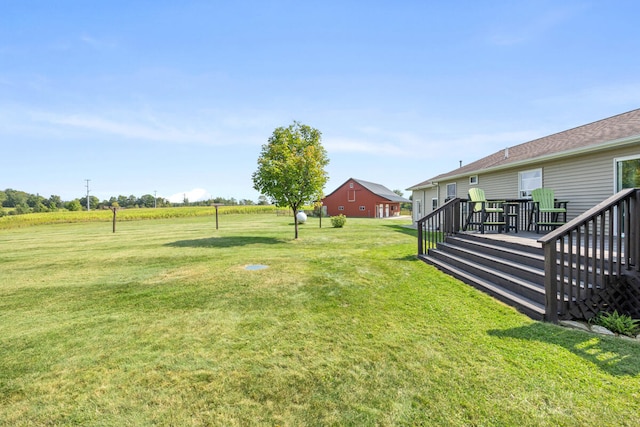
(338, 221)
(619, 323)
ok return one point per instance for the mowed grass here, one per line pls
(161, 324)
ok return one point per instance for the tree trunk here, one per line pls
(295, 221)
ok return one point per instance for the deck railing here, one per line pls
(449, 219)
(582, 256)
(437, 225)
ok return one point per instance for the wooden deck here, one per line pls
(526, 238)
(576, 269)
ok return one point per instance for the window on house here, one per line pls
(434, 203)
(362, 208)
(529, 181)
(351, 185)
(340, 208)
(451, 191)
(627, 171)
(351, 195)
(473, 180)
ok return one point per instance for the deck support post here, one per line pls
(551, 281)
(420, 239)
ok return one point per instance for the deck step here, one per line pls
(523, 267)
(526, 306)
(511, 272)
(495, 274)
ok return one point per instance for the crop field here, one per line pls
(66, 217)
(162, 324)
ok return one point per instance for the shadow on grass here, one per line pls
(410, 257)
(225, 242)
(403, 229)
(614, 356)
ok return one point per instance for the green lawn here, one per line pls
(160, 324)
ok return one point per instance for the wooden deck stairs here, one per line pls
(588, 265)
(511, 271)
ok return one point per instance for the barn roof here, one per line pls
(377, 189)
(381, 191)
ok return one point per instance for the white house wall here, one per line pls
(498, 185)
(584, 181)
(424, 197)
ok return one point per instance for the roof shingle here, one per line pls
(603, 131)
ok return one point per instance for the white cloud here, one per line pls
(97, 43)
(515, 30)
(195, 195)
(428, 145)
(347, 145)
(203, 127)
(152, 130)
(625, 94)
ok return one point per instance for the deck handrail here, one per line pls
(436, 225)
(582, 255)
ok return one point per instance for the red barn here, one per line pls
(358, 198)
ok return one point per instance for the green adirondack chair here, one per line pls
(483, 212)
(547, 211)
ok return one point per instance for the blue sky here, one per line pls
(172, 96)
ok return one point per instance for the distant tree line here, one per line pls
(21, 202)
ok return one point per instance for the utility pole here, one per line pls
(88, 202)
(155, 198)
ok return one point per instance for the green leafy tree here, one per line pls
(404, 205)
(73, 205)
(22, 208)
(36, 202)
(54, 202)
(93, 202)
(15, 198)
(291, 167)
(146, 201)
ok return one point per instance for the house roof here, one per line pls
(613, 131)
(378, 190)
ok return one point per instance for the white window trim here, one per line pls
(615, 168)
(520, 189)
(473, 180)
(455, 190)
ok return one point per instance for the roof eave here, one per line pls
(584, 150)
(422, 186)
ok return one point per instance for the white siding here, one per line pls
(584, 180)
(500, 185)
(424, 198)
